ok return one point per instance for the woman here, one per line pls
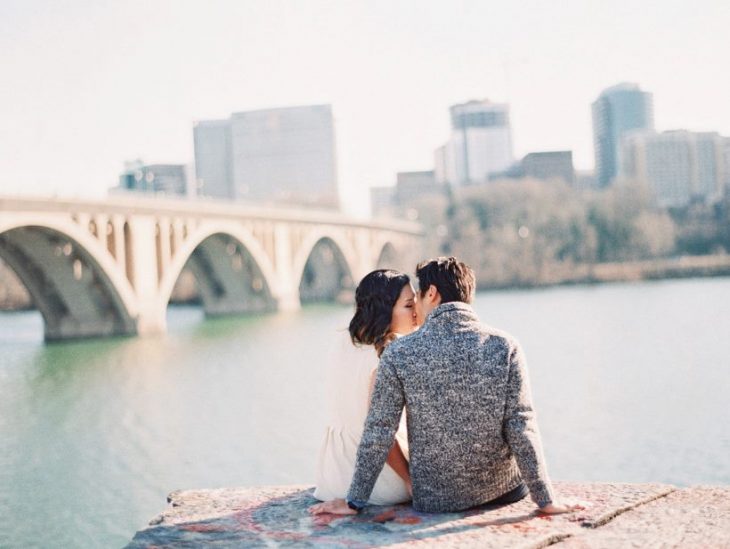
(384, 309)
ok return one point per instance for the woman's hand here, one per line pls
(560, 508)
(334, 507)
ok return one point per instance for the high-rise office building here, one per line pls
(618, 110)
(480, 143)
(679, 166)
(284, 155)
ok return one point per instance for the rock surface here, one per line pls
(620, 515)
(694, 517)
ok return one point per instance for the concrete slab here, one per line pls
(693, 517)
(277, 516)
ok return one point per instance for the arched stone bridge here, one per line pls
(98, 268)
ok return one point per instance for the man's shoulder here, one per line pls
(496, 337)
(466, 320)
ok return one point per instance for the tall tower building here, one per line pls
(284, 156)
(619, 109)
(480, 143)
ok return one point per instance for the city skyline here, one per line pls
(87, 94)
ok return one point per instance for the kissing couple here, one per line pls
(446, 417)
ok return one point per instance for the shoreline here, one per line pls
(14, 297)
(633, 271)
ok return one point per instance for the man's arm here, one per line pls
(378, 436)
(521, 431)
(396, 458)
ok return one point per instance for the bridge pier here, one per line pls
(152, 320)
(285, 290)
(287, 301)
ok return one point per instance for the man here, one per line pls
(472, 434)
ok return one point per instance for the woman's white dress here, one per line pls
(352, 368)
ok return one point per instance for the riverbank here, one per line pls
(618, 515)
(631, 271)
(14, 296)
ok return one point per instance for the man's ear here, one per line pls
(433, 293)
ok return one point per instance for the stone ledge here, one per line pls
(620, 515)
(693, 517)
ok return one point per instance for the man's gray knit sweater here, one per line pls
(472, 432)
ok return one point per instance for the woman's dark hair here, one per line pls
(375, 298)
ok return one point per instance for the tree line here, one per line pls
(530, 232)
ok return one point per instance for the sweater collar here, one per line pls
(452, 306)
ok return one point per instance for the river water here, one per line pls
(631, 383)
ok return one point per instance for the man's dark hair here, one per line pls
(454, 279)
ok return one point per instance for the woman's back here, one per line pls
(351, 369)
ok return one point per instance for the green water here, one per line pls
(631, 383)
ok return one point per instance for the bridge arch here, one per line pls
(394, 253)
(328, 269)
(72, 278)
(233, 271)
(387, 257)
(304, 251)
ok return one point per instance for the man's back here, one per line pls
(472, 434)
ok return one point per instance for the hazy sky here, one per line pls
(88, 84)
